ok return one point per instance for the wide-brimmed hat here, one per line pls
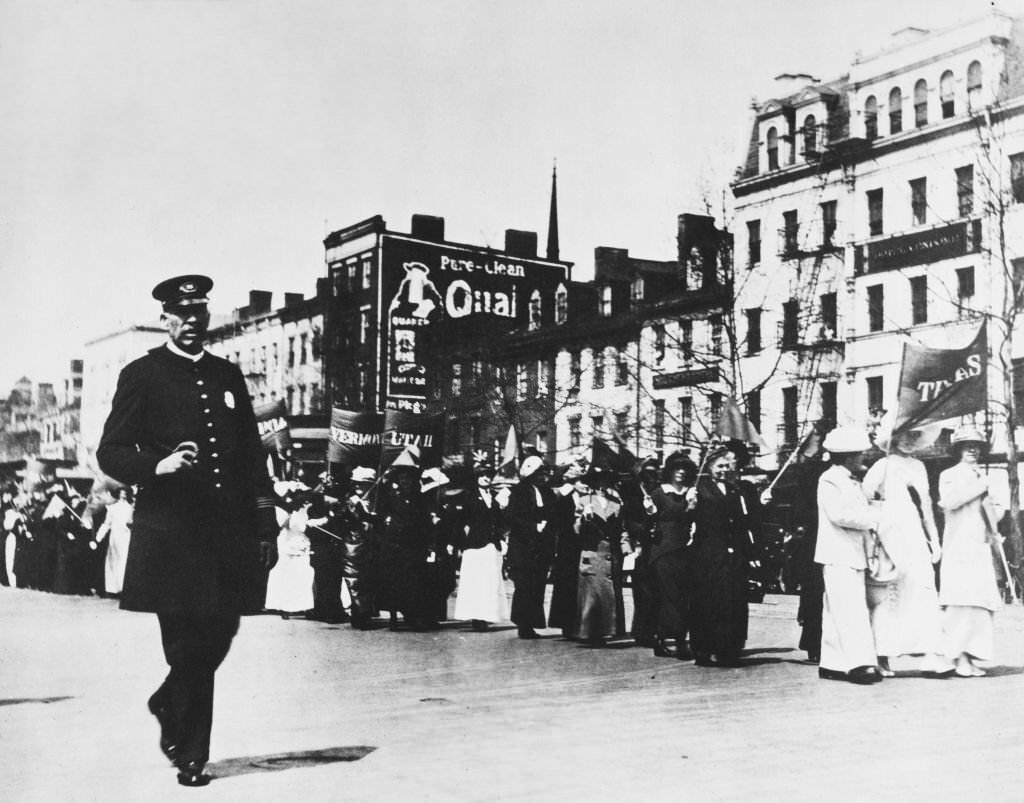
(967, 434)
(847, 440)
(433, 478)
(408, 460)
(531, 465)
(364, 474)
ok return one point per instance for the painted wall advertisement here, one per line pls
(422, 283)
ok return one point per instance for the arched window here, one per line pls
(946, 95)
(895, 111)
(561, 304)
(772, 145)
(871, 118)
(535, 310)
(974, 86)
(921, 103)
(810, 137)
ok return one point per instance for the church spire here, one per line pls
(553, 215)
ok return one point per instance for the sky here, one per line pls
(148, 138)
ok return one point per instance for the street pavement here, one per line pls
(309, 712)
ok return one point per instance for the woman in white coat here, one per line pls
(905, 614)
(969, 591)
(290, 583)
(118, 527)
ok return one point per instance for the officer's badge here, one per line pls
(229, 400)
(188, 287)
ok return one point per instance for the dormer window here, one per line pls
(561, 304)
(772, 145)
(871, 118)
(974, 86)
(636, 290)
(921, 103)
(604, 304)
(535, 310)
(895, 111)
(810, 137)
(946, 95)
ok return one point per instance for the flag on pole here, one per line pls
(614, 456)
(732, 423)
(938, 384)
(510, 454)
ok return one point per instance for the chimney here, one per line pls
(428, 227)
(521, 243)
(292, 300)
(259, 301)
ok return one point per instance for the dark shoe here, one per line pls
(167, 740)
(702, 659)
(813, 657)
(729, 661)
(191, 774)
(480, 626)
(662, 650)
(528, 633)
(864, 675)
(831, 674)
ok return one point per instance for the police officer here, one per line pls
(181, 427)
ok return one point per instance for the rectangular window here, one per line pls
(790, 323)
(790, 232)
(876, 308)
(575, 436)
(658, 331)
(715, 328)
(829, 316)
(621, 366)
(896, 117)
(364, 326)
(753, 330)
(919, 299)
(575, 369)
(790, 422)
(753, 242)
(352, 269)
(291, 352)
(605, 302)
(596, 425)
(714, 409)
(919, 201)
(875, 390)
(875, 226)
(828, 223)
(686, 339)
(686, 419)
(1017, 177)
(598, 371)
(456, 379)
(753, 402)
(522, 382)
(965, 190)
(964, 289)
(622, 424)
(659, 424)
(829, 405)
(303, 342)
(367, 274)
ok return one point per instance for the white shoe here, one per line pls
(936, 665)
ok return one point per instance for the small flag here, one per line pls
(510, 454)
(733, 424)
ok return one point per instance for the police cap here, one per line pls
(183, 291)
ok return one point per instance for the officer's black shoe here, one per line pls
(191, 774)
(830, 674)
(864, 675)
(167, 740)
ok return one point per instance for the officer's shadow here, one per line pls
(275, 762)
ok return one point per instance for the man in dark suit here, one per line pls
(531, 546)
(181, 427)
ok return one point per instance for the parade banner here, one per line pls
(273, 427)
(403, 429)
(938, 384)
(354, 438)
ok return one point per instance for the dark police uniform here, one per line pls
(194, 557)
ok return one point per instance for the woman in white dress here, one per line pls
(118, 527)
(472, 518)
(290, 584)
(969, 590)
(905, 614)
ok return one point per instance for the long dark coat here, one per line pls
(670, 563)
(719, 557)
(195, 536)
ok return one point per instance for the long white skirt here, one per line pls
(481, 593)
(117, 558)
(290, 584)
(846, 638)
(905, 614)
(969, 629)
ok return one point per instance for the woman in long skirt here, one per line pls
(290, 584)
(602, 535)
(117, 529)
(905, 614)
(969, 591)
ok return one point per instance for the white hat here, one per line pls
(847, 440)
(967, 433)
(433, 478)
(530, 466)
(409, 459)
(364, 474)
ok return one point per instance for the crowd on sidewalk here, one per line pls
(391, 549)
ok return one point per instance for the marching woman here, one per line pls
(471, 519)
(905, 614)
(720, 553)
(117, 528)
(669, 559)
(290, 583)
(968, 587)
(602, 538)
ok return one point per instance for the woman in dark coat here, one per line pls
(565, 573)
(721, 549)
(669, 558)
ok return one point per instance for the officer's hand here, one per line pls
(181, 459)
(268, 554)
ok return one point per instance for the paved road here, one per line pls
(310, 712)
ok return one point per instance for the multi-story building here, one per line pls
(876, 208)
(59, 427)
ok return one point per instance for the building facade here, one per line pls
(880, 208)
